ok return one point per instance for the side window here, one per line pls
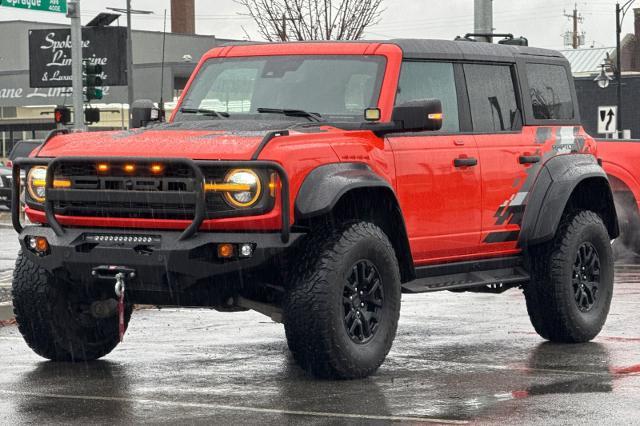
(431, 80)
(550, 92)
(492, 98)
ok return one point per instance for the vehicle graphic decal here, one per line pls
(553, 141)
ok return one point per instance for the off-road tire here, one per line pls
(53, 318)
(550, 295)
(314, 310)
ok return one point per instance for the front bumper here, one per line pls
(166, 264)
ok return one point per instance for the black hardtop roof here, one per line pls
(469, 50)
(448, 49)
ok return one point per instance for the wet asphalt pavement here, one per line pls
(458, 358)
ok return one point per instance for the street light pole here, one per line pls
(129, 12)
(621, 12)
(619, 68)
(129, 62)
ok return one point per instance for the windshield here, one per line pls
(333, 88)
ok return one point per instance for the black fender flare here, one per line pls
(325, 185)
(554, 186)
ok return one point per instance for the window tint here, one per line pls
(431, 80)
(550, 92)
(492, 98)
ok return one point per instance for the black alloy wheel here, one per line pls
(586, 277)
(363, 299)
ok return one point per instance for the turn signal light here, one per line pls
(103, 167)
(226, 251)
(129, 168)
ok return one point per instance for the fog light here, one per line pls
(226, 251)
(246, 250)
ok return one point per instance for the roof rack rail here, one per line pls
(508, 39)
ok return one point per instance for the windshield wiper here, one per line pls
(202, 111)
(312, 116)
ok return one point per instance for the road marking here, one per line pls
(6, 277)
(225, 407)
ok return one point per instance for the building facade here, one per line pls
(27, 113)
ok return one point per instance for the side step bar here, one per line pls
(487, 276)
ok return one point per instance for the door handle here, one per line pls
(529, 159)
(465, 162)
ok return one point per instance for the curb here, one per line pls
(6, 311)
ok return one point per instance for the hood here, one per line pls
(195, 140)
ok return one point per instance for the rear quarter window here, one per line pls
(550, 92)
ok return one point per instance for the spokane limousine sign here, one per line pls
(59, 6)
(50, 55)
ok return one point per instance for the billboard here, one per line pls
(50, 55)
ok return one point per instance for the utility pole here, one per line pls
(619, 66)
(483, 14)
(576, 18)
(73, 12)
(129, 62)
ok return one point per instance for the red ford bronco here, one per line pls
(315, 183)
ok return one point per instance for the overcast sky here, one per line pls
(541, 21)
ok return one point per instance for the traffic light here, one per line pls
(62, 115)
(91, 115)
(92, 81)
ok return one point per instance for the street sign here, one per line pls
(607, 120)
(50, 55)
(59, 6)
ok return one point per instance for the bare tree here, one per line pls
(284, 20)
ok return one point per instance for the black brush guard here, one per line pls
(196, 197)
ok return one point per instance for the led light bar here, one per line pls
(122, 239)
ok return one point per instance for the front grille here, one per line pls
(141, 194)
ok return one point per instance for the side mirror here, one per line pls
(420, 115)
(143, 112)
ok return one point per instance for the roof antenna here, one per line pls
(164, 39)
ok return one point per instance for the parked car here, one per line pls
(23, 149)
(315, 183)
(5, 186)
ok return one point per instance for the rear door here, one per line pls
(438, 175)
(506, 152)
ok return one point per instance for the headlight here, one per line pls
(36, 181)
(251, 182)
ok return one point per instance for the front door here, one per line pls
(438, 173)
